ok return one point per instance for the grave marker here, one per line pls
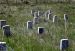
(66, 21)
(35, 20)
(46, 14)
(2, 46)
(49, 11)
(64, 44)
(50, 16)
(32, 12)
(54, 18)
(40, 30)
(65, 17)
(36, 14)
(2, 23)
(29, 24)
(6, 30)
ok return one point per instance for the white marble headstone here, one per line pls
(6, 30)
(32, 12)
(49, 16)
(36, 14)
(54, 18)
(64, 44)
(35, 20)
(40, 30)
(65, 17)
(29, 24)
(2, 46)
(49, 11)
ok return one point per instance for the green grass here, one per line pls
(28, 40)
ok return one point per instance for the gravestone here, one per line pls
(65, 17)
(36, 14)
(40, 30)
(35, 20)
(64, 44)
(49, 16)
(29, 24)
(2, 23)
(6, 30)
(32, 12)
(2, 46)
(46, 14)
(49, 11)
(54, 19)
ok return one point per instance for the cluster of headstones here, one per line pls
(49, 15)
(36, 15)
(36, 19)
(6, 32)
(5, 28)
(64, 44)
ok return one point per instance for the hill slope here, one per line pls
(28, 40)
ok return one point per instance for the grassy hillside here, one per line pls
(33, 1)
(28, 40)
